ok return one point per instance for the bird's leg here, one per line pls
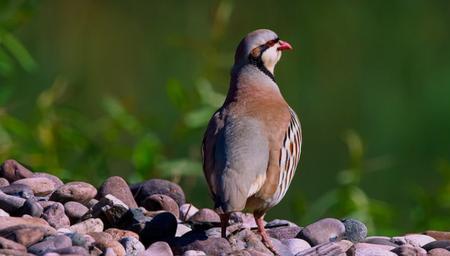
(259, 219)
(224, 223)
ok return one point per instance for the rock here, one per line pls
(50, 244)
(77, 191)
(194, 253)
(281, 248)
(9, 244)
(245, 239)
(9, 203)
(10, 252)
(19, 190)
(119, 188)
(182, 229)
(30, 207)
(161, 228)
(158, 249)
(418, 239)
(23, 235)
(373, 249)
(437, 244)
(109, 252)
(58, 183)
(324, 249)
(438, 235)
(92, 203)
(282, 233)
(55, 216)
(3, 182)
(75, 210)
(322, 231)
(41, 186)
(110, 210)
(104, 240)
(205, 216)
(407, 250)
(87, 226)
(157, 186)
(46, 204)
(381, 241)
(158, 202)
(186, 211)
(198, 241)
(82, 240)
(296, 245)
(246, 219)
(13, 170)
(355, 230)
(134, 220)
(439, 252)
(73, 250)
(29, 222)
(118, 234)
(3, 213)
(132, 245)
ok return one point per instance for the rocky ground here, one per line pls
(40, 215)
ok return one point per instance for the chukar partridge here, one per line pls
(252, 144)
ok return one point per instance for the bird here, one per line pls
(252, 144)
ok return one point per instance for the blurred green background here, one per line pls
(90, 89)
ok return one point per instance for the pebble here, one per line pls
(9, 244)
(186, 211)
(118, 234)
(89, 225)
(182, 229)
(161, 228)
(9, 203)
(408, 250)
(104, 240)
(205, 215)
(418, 239)
(19, 190)
(158, 249)
(3, 182)
(72, 250)
(198, 241)
(355, 230)
(41, 186)
(382, 241)
(13, 170)
(50, 244)
(31, 207)
(246, 239)
(23, 235)
(194, 253)
(132, 246)
(437, 244)
(324, 249)
(373, 249)
(110, 209)
(296, 245)
(246, 219)
(75, 210)
(322, 231)
(3, 213)
(82, 240)
(10, 252)
(439, 252)
(157, 186)
(134, 220)
(57, 181)
(158, 202)
(119, 188)
(56, 216)
(77, 191)
(282, 233)
(438, 235)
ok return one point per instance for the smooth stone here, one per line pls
(186, 211)
(109, 252)
(280, 223)
(296, 245)
(3, 213)
(132, 245)
(134, 220)
(72, 250)
(246, 219)
(118, 234)
(9, 244)
(383, 237)
(31, 207)
(281, 248)
(3, 182)
(381, 241)
(92, 203)
(110, 209)
(182, 229)
(438, 235)
(75, 210)
(205, 215)
(282, 233)
(13, 170)
(6, 222)
(119, 188)
(322, 231)
(158, 202)
(418, 239)
(56, 216)
(198, 241)
(245, 239)
(408, 250)
(158, 249)
(194, 253)
(400, 240)
(20, 190)
(437, 244)
(161, 228)
(355, 230)
(87, 226)
(82, 240)
(9, 203)
(439, 252)
(46, 204)
(77, 191)
(23, 235)
(157, 186)
(40, 186)
(10, 252)
(324, 249)
(104, 240)
(57, 181)
(373, 249)
(50, 244)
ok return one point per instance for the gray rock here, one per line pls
(296, 245)
(437, 244)
(31, 207)
(198, 241)
(9, 203)
(158, 249)
(407, 250)
(119, 188)
(41, 186)
(157, 186)
(3, 182)
(186, 211)
(110, 210)
(19, 190)
(133, 247)
(281, 248)
(355, 230)
(158, 202)
(82, 240)
(322, 231)
(77, 191)
(73, 250)
(13, 170)
(56, 216)
(161, 228)
(75, 210)
(134, 220)
(50, 244)
(87, 226)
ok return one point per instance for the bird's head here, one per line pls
(261, 47)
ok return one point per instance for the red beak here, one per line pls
(284, 46)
